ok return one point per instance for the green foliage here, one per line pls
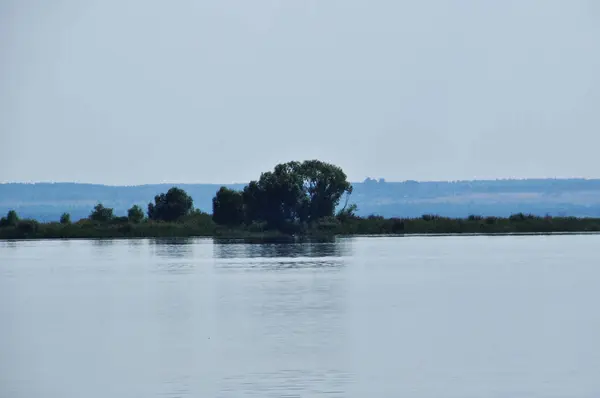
(27, 228)
(328, 225)
(295, 199)
(324, 184)
(491, 220)
(10, 220)
(228, 207)
(173, 205)
(101, 213)
(201, 224)
(347, 213)
(522, 217)
(135, 214)
(293, 193)
(65, 218)
(198, 218)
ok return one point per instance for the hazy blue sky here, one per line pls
(140, 91)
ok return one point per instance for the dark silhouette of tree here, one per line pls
(65, 218)
(27, 227)
(173, 205)
(278, 196)
(101, 213)
(324, 186)
(254, 202)
(228, 207)
(11, 219)
(293, 192)
(347, 213)
(135, 214)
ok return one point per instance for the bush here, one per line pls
(257, 226)
(101, 213)
(10, 220)
(172, 206)
(397, 225)
(328, 224)
(430, 217)
(135, 214)
(26, 228)
(65, 218)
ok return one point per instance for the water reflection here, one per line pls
(278, 256)
(289, 301)
(8, 243)
(339, 248)
(103, 249)
(136, 246)
(288, 383)
(178, 255)
(172, 247)
(102, 242)
(397, 322)
(136, 242)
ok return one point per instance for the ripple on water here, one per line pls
(287, 383)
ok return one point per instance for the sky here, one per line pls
(217, 91)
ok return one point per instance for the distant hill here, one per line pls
(559, 197)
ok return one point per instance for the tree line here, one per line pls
(293, 193)
(310, 197)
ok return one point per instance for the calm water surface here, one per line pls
(365, 317)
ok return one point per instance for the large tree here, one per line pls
(173, 205)
(65, 218)
(292, 192)
(101, 213)
(228, 207)
(11, 219)
(324, 185)
(135, 214)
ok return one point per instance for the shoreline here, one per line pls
(327, 228)
(299, 238)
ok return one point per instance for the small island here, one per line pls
(297, 199)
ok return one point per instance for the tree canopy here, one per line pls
(11, 219)
(228, 207)
(173, 205)
(101, 213)
(135, 214)
(292, 192)
(65, 218)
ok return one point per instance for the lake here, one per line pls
(502, 316)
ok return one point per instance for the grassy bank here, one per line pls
(203, 225)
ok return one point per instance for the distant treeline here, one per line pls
(202, 224)
(308, 198)
(409, 199)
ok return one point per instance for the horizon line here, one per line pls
(375, 180)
